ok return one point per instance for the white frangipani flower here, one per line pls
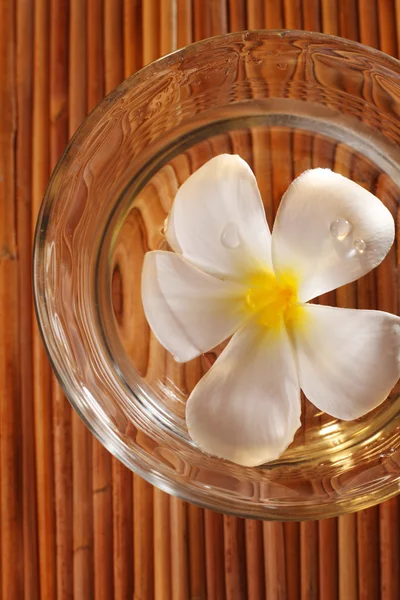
(230, 276)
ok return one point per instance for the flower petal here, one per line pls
(189, 312)
(348, 360)
(317, 209)
(247, 407)
(218, 220)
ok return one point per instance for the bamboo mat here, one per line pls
(74, 523)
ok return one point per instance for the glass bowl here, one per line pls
(285, 101)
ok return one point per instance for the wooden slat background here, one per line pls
(74, 523)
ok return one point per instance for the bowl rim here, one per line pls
(193, 48)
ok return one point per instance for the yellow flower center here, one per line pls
(271, 300)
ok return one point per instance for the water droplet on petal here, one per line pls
(340, 228)
(230, 236)
(360, 246)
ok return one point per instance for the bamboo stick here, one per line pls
(102, 493)
(235, 558)
(58, 79)
(95, 53)
(309, 560)
(201, 20)
(255, 14)
(219, 18)
(328, 559)
(162, 545)
(123, 531)
(274, 560)
(254, 560)
(197, 567)
(368, 17)
(168, 26)
(330, 17)
(292, 14)
(102, 488)
(133, 51)
(81, 438)
(151, 29)
(143, 539)
(274, 17)
(312, 16)
(304, 152)
(184, 19)
(261, 147)
(61, 408)
(113, 44)
(347, 544)
(104, 466)
(82, 524)
(389, 549)
(292, 560)
(179, 549)
(349, 19)
(282, 173)
(12, 568)
(41, 369)
(368, 553)
(237, 15)
(77, 97)
(24, 88)
(11, 513)
(63, 491)
(387, 27)
(214, 537)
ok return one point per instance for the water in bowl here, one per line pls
(278, 145)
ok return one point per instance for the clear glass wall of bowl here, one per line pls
(285, 102)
